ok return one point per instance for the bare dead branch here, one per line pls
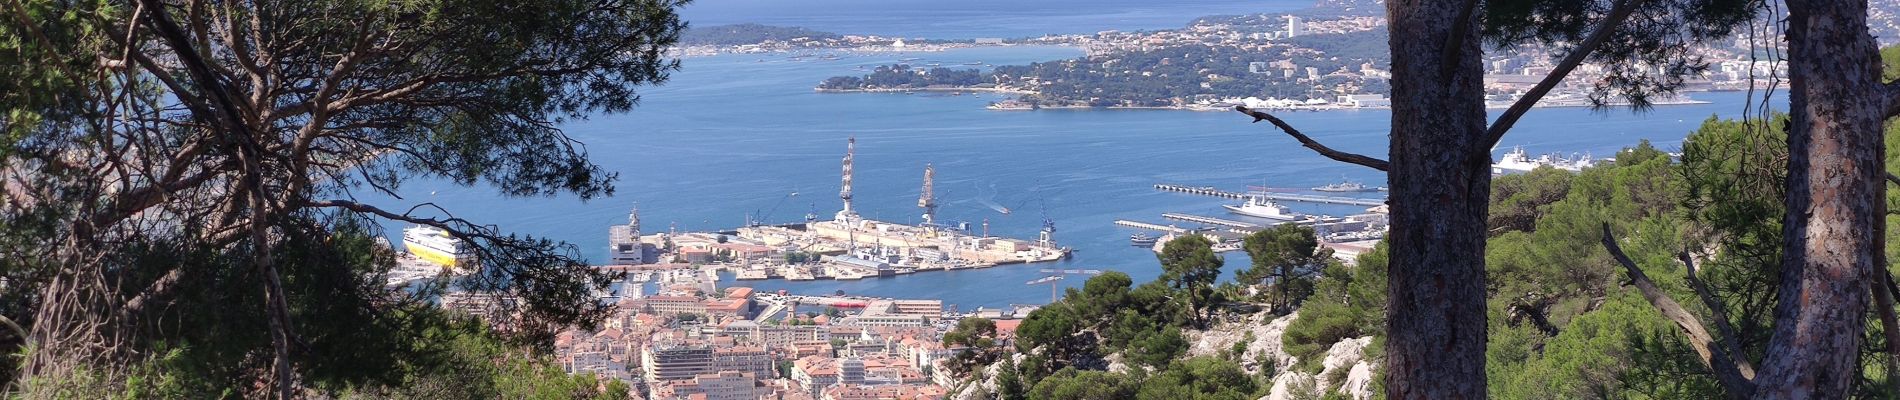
(1618, 13)
(1730, 340)
(1735, 379)
(1336, 155)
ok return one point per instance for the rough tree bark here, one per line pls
(1834, 182)
(1441, 181)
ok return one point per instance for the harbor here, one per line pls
(846, 247)
(1211, 191)
(1261, 210)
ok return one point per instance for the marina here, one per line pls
(1211, 191)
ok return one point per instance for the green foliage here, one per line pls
(1072, 384)
(1009, 386)
(1155, 348)
(1348, 302)
(1200, 378)
(977, 339)
(903, 76)
(1288, 254)
(1624, 349)
(1518, 200)
(743, 34)
(256, 125)
(1189, 266)
(1733, 173)
(1649, 52)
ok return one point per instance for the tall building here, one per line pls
(851, 371)
(674, 361)
(623, 241)
(1294, 27)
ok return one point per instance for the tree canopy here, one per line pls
(168, 161)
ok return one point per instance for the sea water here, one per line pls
(736, 135)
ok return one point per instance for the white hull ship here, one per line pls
(1259, 206)
(1517, 162)
(437, 247)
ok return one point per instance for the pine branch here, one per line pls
(1735, 379)
(1618, 13)
(1340, 156)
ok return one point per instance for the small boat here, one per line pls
(1141, 240)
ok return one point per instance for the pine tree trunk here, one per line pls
(1834, 178)
(1440, 178)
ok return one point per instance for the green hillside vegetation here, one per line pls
(1565, 321)
(743, 34)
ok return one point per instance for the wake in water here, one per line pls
(989, 200)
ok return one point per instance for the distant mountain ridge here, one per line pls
(1347, 7)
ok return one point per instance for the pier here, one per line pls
(1145, 225)
(1211, 221)
(1303, 198)
(1200, 190)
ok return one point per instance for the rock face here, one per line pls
(985, 389)
(1266, 340)
(1358, 381)
(1341, 358)
(1290, 385)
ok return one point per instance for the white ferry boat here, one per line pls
(1259, 206)
(436, 246)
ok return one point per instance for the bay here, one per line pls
(966, 19)
(736, 134)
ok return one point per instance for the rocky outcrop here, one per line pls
(1340, 359)
(984, 389)
(1358, 381)
(1290, 385)
(1266, 332)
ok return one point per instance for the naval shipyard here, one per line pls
(848, 246)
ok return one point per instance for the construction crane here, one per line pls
(1056, 276)
(928, 201)
(760, 218)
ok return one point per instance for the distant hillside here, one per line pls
(741, 34)
(1347, 7)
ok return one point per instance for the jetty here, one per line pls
(1303, 198)
(1210, 221)
(1150, 226)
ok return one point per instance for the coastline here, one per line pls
(925, 89)
(1229, 107)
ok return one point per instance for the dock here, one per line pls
(1303, 198)
(1210, 220)
(1200, 190)
(1145, 225)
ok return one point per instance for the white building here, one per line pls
(623, 241)
(1294, 27)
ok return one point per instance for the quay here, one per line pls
(1149, 226)
(1304, 198)
(846, 247)
(1211, 221)
(1200, 190)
